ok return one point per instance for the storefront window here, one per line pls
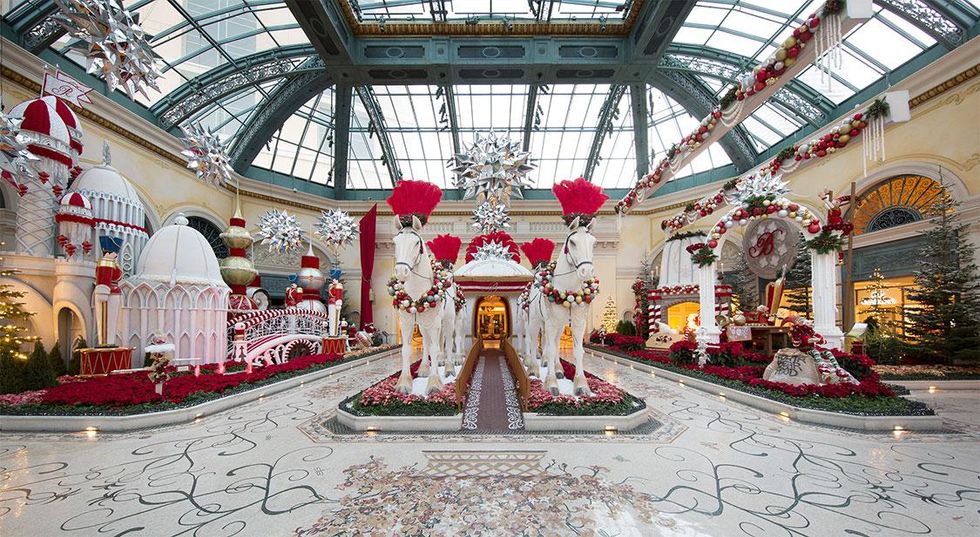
(886, 300)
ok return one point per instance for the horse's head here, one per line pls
(409, 248)
(579, 246)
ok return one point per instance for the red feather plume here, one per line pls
(445, 247)
(538, 251)
(417, 198)
(579, 196)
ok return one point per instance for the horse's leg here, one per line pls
(424, 366)
(554, 361)
(578, 352)
(552, 331)
(405, 379)
(447, 321)
(531, 346)
(430, 344)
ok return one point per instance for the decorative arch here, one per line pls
(895, 201)
(211, 232)
(824, 272)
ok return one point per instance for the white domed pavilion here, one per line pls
(177, 290)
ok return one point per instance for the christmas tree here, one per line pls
(745, 286)
(798, 279)
(609, 316)
(13, 337)
(945, 324)
(876, 299)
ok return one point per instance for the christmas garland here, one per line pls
(441, 281)
(584, 296)
(459, 299)
(524, 299)
(702, 255)
(825, 242)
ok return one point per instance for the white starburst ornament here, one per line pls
(206, 154)
(336, 228)
(115, 44)
(16, 161)
(488, 217)
(493, 168)
(493, 250)
(280, 231)
(761, 185)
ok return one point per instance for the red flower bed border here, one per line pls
(858, 364)
(136, 389)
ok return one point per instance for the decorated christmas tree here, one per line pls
(609, 316)
(945, 323)
(12, 316)
(13, 337)
(876, 299)
(798, 280)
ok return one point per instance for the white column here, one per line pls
(706, 288)
(825, 298)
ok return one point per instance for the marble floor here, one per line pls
(712, 468)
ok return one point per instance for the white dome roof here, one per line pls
(179, 254)
(106, 179)
(493, 268)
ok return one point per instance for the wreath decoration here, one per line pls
(584, 296)
(702, 254)
(441, 282)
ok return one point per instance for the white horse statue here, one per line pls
(445, 250)
(414, 271)
(569, 285)
(538, 252)
(418, 288)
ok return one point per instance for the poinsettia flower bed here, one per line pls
(382, 399)
(606, 399)
(869, 397)
(134, 393)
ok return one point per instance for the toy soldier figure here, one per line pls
(335, 300)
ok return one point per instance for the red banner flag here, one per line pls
(368, 227)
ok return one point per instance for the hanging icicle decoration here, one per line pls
(874, 134)
(830, 58)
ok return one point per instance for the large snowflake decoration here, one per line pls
(488, 217)
(206, 154)
(760, 186)
(115, 44)
(336, 227)
(16, 161)
(492, 250)
(493, 168)
(280, 231)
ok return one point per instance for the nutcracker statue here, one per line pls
(335, 302)
(108, 297)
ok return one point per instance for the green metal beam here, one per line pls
(343, 100)
(379, 128)
(607, 114)
(641, 135)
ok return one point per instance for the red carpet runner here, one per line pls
(492, 405)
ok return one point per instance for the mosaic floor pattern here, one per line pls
(711, 468)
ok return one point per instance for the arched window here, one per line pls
(210, 232)
(896, 201)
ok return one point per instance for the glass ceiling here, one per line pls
(258, 45)
(478, 10)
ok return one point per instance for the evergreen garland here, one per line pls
(686, 235)
(825, 242)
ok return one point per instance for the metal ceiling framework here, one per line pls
(335, 56)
